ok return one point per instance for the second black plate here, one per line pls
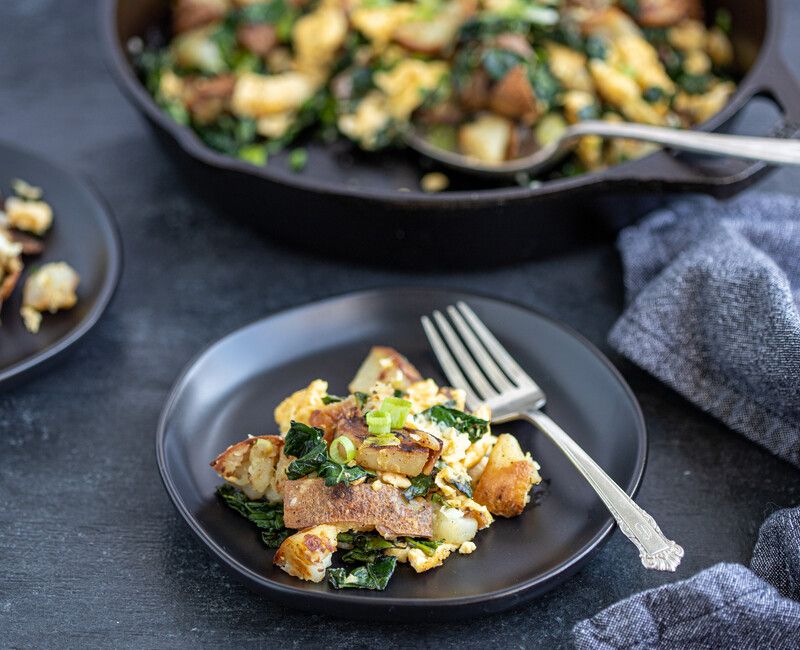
(230, 391)
(85, 236)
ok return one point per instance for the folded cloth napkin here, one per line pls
(726, 606)
(713, 291)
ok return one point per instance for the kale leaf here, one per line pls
(498, 63)
(364, 547)
(460, 421)
(301, 439)
(465, 487)
(266, 516)
(311, 450)
(331, 399)
(307, 445)
(420, 486)
(427, 546)
(334, 472)
(373, 575)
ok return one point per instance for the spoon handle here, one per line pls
(779, 151)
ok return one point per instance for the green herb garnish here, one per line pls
(427, 546)
(268, 517)
(460, 421)
(373, 575)
(420, 486)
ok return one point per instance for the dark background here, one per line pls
(92, 551)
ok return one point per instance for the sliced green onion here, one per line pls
(255, 154)
(383, 440)
(342, 450)
(398, 409)
(298, 159)
(379, 422)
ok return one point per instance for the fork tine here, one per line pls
(478, 351)
(506, 361)
(484, 389)
(450, 367)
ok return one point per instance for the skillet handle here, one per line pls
(769, 77)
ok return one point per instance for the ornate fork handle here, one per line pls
(655, 550)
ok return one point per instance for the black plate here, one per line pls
(231, 389)
(83, 235)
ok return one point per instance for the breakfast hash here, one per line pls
(396, 471)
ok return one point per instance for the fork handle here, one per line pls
(655, 550)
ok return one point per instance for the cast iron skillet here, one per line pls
(231, 388)
(84, 235)
(349, 203)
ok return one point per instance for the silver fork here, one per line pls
(497, 380)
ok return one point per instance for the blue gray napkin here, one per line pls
(713, 293)
(714, 297)
(726, 606)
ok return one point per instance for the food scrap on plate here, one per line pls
(395, 471)
(24, 221)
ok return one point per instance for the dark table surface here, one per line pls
(92, 551)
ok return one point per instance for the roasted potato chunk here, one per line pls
(513, 96)
(307, 554)
(251, 466)
(330, 416)
(663, 13)
(385, 365)
(415, 454)
(309, 502)
(487, 139)
(509, 475)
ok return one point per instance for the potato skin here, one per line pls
(504, 485)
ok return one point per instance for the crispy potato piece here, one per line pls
(663, 13)
(30, 216)
(329, 417)
(386, 365)
(513, 97)
(258, 38)
(416, 454)
(251, 466)
(307, 554)
(207, 97)
(509, 475)
(474, 93)
(50, 288)
(10, 265)
(190, 14)
(309, 502)
(487, 139)
(569, 67)
(437, 35)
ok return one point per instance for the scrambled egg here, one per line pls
(301, 404)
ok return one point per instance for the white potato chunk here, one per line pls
(307, 554)
(487, 138)
(453, 526)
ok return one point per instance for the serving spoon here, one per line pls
(776, 151)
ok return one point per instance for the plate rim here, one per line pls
(517, 593)
(110, 234)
